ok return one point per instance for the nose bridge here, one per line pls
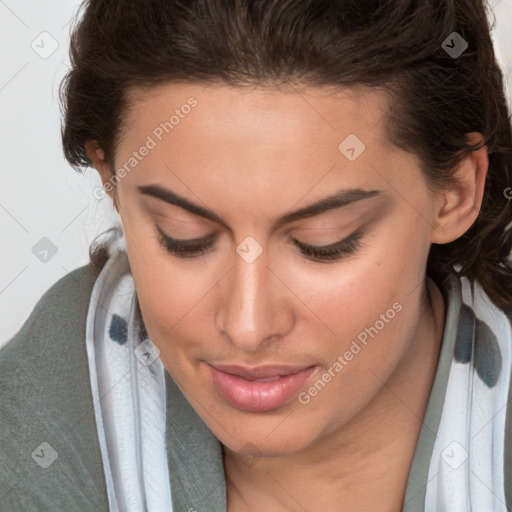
(250, 311)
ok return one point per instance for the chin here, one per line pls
(267, 439)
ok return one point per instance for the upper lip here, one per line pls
(260, 372)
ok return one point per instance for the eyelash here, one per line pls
(332, 252)
(189, 249)
(200, 246)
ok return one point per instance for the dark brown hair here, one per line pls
(400, 46)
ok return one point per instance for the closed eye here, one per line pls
(332, 252)
(197, 247)
(186, 248)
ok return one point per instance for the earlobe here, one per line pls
(97, 156)
(459, 205)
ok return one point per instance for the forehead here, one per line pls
(239, 110)
(263, 143)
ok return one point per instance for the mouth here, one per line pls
(259, 389)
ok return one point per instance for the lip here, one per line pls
(239, 386)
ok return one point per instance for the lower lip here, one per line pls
(257, 396)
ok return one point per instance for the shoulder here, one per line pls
(62, 305)
(49, 445)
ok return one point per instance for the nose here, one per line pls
(256, 307)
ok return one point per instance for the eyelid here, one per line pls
(190, 241)
(190, 249)
(197, 247)
(353, 237)
(335, 252)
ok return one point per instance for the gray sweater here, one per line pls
(47, 412)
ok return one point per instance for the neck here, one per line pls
(365, 464)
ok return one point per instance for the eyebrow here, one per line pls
(337, 200)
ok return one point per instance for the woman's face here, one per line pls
(274, 347)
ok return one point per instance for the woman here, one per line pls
(307, 303)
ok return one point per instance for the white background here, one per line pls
(40, 194)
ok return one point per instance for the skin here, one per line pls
(252, 155)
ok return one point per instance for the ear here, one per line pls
(97, 156)
(458, 206)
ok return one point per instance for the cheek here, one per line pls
(163, 283)
(167, 295)
(350, 295)
(369, 307)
